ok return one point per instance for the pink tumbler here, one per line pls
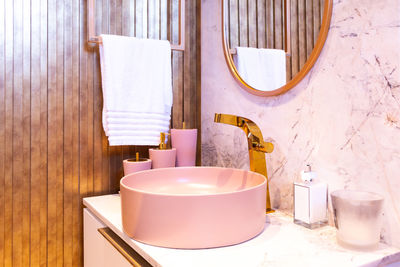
(162, 158)
(185, 142)
(133, 165)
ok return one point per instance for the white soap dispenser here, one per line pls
(310, 201)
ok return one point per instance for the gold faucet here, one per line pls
(256, 145)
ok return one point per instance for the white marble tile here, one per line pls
(343, 118)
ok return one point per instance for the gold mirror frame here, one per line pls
(323, 33)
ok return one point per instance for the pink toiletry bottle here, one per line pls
(162, 157)
(185, 142)
(136, 164)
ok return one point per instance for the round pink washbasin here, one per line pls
(193, 207)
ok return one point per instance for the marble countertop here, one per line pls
(282, 243)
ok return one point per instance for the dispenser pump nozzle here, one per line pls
(163, 144)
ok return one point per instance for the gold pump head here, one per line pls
(163, 144)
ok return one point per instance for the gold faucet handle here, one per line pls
(265, 147)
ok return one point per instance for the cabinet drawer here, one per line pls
(104, 248)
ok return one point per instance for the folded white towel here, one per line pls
(143, 120)
(137, 140)
(263, 69)
(138, 115)
(135, 127)
(136, 124)
(134, 133)
(137, 86)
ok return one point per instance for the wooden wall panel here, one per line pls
(260, 23)
(2, 134)
(53, 148)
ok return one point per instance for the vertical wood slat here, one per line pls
(302, 32)
(189, 73)
(8, 144)
(227, 20)
(233, 23)
(287, 37)
(132, 17)
(294, 38)
(269, 18)
(177, 69)
(59, 132)
(52, 135)
(75, 113)
(17, 134)
(68, 135)
(153, 17)
(54, 148)
(83, 111)
(278, 25)
(26, 126)
(35, 138)
(316, 20)
(243, 23)
(163, 19)
(261, 23)
(44, 15)
(309, 27)
(139, 19)
(97, 102)
(125, 8)
(118, 13)
(252, 22)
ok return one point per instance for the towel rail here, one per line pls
(92, 38)
(287, 31)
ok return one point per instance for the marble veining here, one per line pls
(343, 118)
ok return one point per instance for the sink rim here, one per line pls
(192, 195)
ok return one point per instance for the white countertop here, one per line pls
(282, 243)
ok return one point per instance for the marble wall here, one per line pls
(343, 118)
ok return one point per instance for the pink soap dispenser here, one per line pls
(185, 142)
(162, 157)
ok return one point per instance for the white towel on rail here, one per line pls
(263, 69)
(137, 140)
(130, 115)
(137, 88)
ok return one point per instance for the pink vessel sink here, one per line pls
(193, 207)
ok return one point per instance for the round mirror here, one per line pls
(270, 45)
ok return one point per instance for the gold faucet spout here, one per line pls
(256, 145)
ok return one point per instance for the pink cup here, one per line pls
(185, 142)
(162, 158)
(131, 165)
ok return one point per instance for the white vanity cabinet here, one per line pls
(103, 248)
(98, 251)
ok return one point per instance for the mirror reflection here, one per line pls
(269, 41)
